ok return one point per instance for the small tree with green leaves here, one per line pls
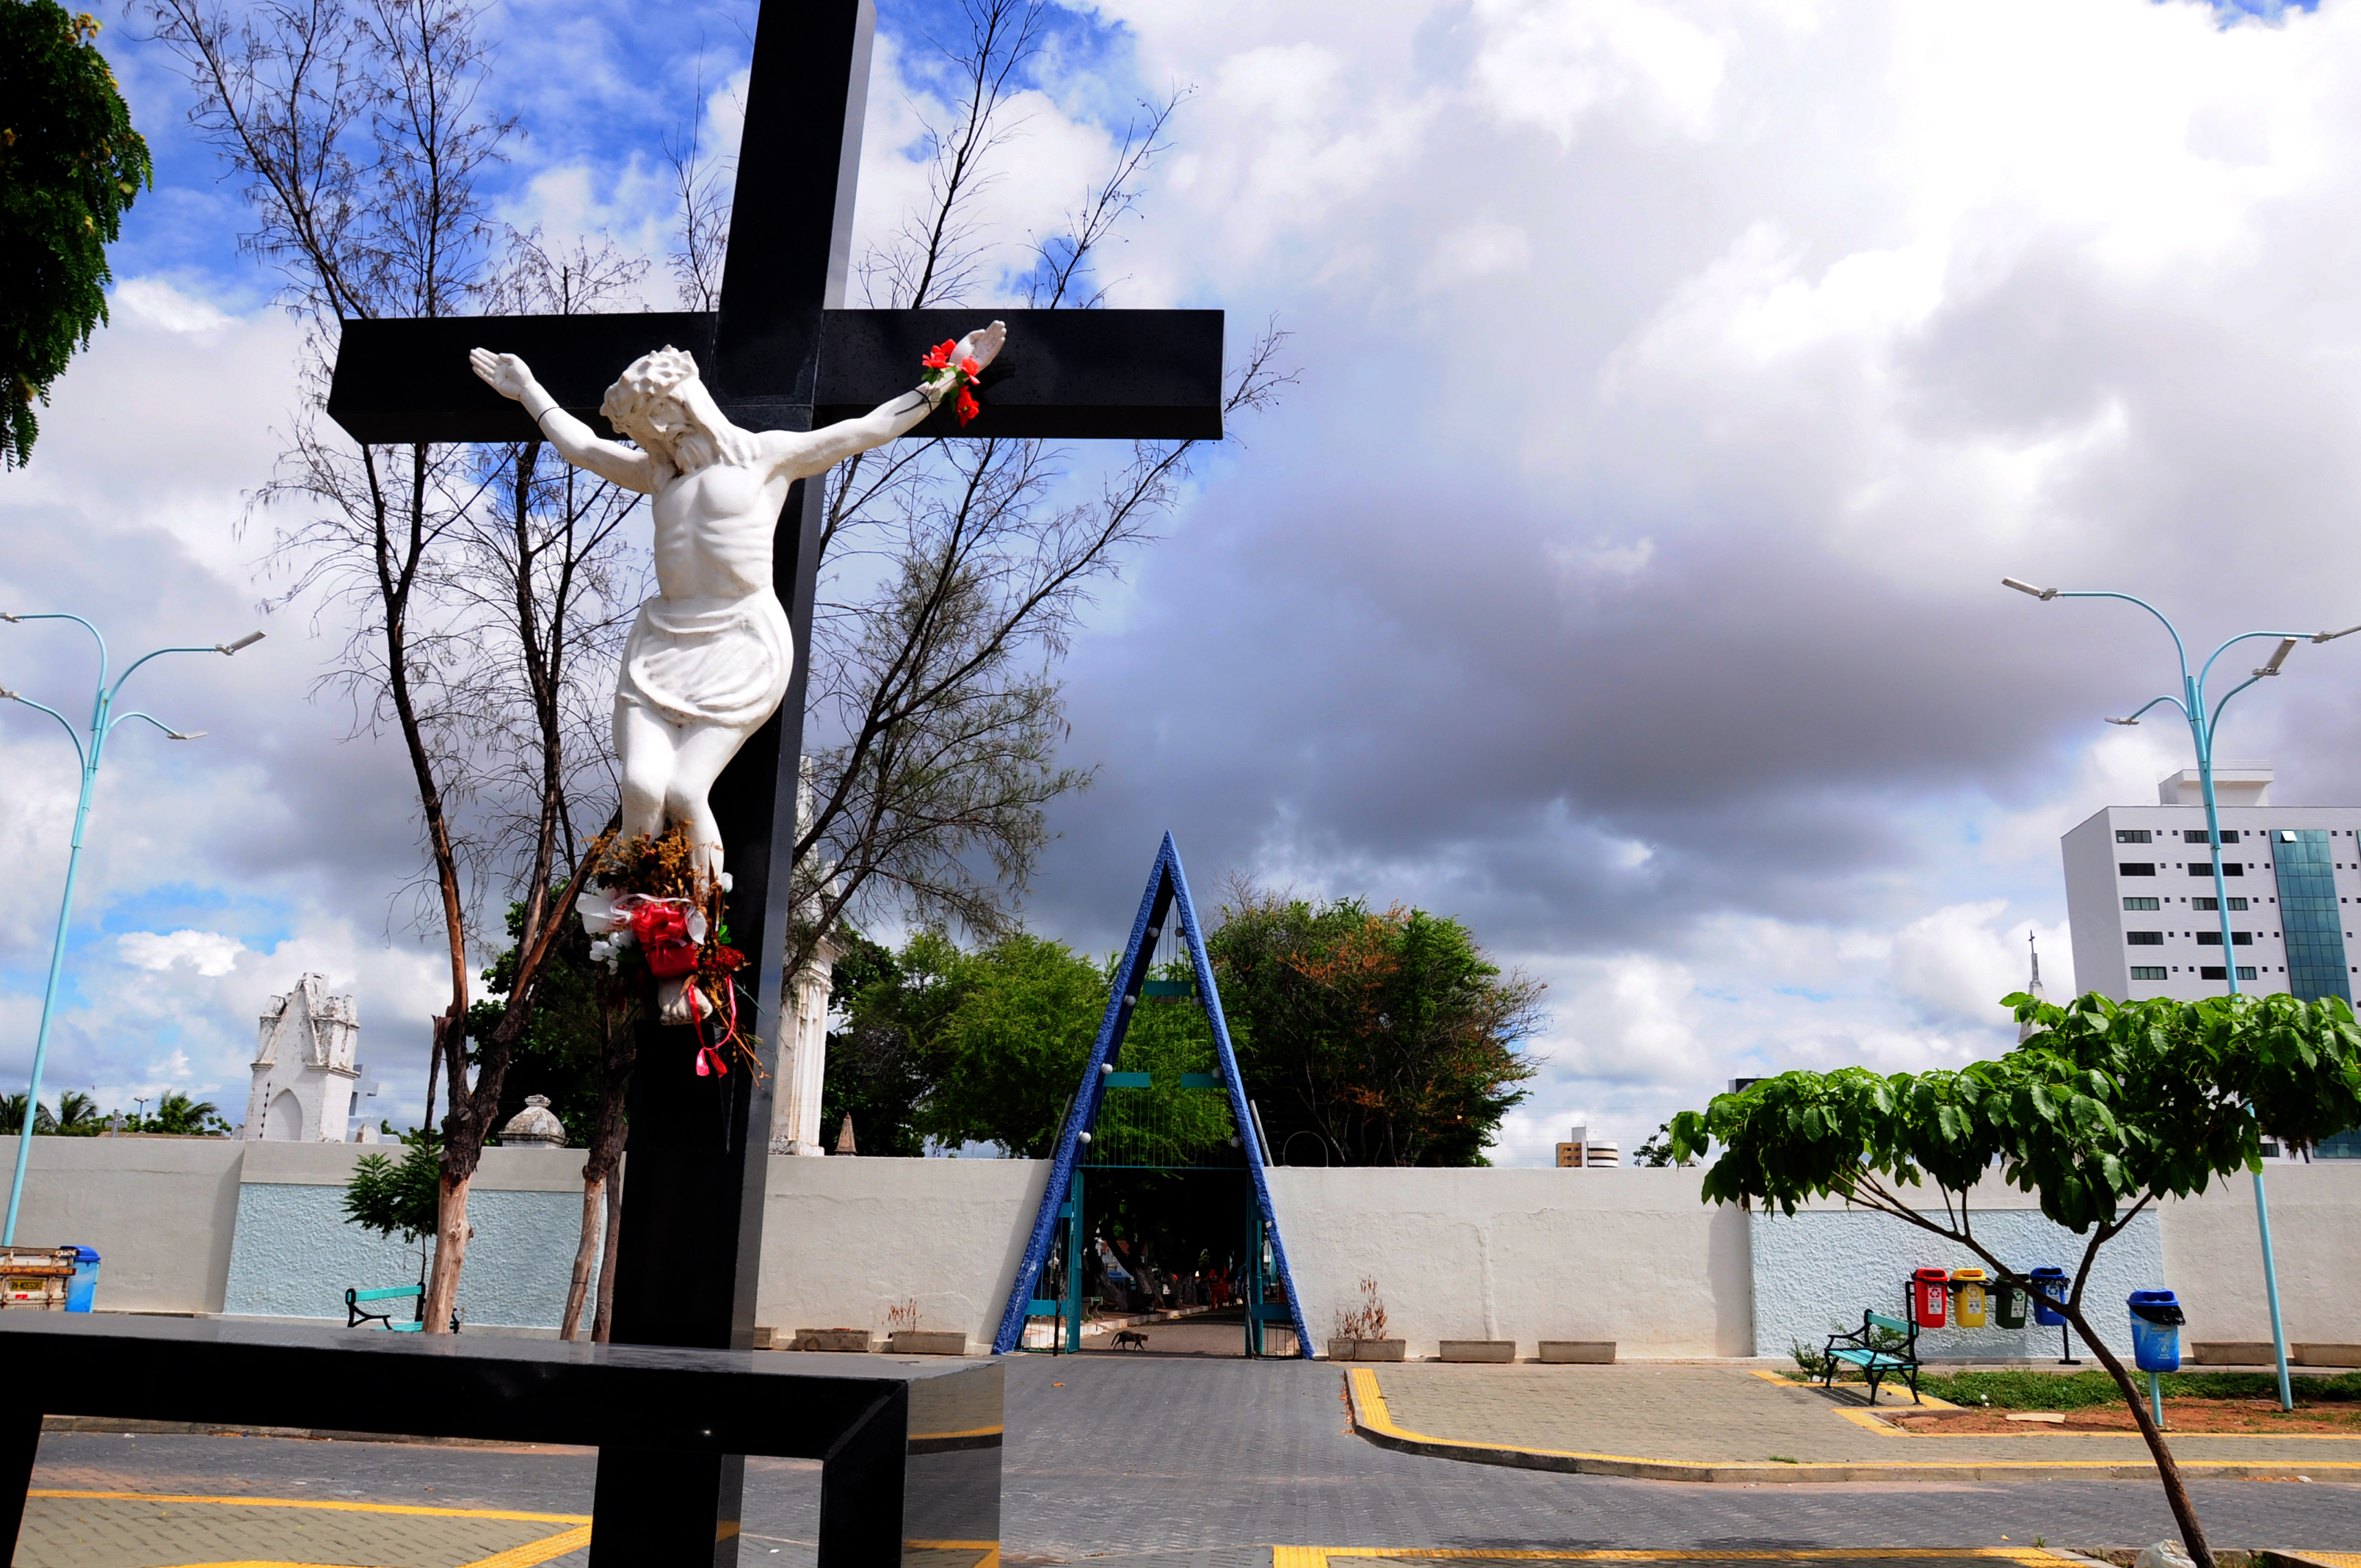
(399, 1199)
(2106, 1108)
(69, 164)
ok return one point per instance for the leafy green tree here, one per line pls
(12, 1117)
(397, 1199)
(1388, 1036)
(77, 1115)
(877, 1069)
(176, 1113)
(69, 165)
(558, 1052)
(1010, 1048)
(2104, 1110)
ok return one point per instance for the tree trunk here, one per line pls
(602, 1327)
(594, 1198)
(450, 1253)
(2184, 1513)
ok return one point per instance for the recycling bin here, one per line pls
(2048, 1288)
(2008, 1305)
(1968, 1297)
(1930, 1297)
(82, 1287)
(2157, 1319)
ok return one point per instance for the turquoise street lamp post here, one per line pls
(2202, 724)
(103, 720)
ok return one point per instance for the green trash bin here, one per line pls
(2009, 1307)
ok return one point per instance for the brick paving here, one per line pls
(143, 1532)
(1721, 1414)
(1142, 1461)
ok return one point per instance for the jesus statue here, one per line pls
(709, 658)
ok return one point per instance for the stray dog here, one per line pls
(1130, 1339)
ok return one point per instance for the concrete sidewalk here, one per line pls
(1695, 1422)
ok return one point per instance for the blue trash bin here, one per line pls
(2155, 1331)
(83, 1286)
(2049, 1286)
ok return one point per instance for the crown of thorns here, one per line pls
(650, 377)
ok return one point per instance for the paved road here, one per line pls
(1144, 1456)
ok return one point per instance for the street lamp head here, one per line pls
(192, 735)
(2316, 637)
(2044, 595)
(6, 696)
(2122, 721)
(248, 641)
(2278, 656)
(11, 619)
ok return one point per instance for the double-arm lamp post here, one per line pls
(103, 720)
(2202, 723)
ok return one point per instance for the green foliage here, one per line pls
(12, 1117)
(177, 1114)
(1015, 1023)
(69, 165)
(2106, 1104)
(559, 1053)
(397, 1199)
(1812, 1360)
(1657, 1151)
(2087, 1390)
(78, 1116)
(876, 1070)
(1389, 1037)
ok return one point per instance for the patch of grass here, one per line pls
(2019, 1390)
(1782, 1458)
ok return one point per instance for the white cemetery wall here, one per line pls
(1628, 1255)
(295, 1253)
(1819, 1269)
(845, 1242)
(159, 1213)
(2213, 1254)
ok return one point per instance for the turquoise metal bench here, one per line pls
(1858, 1349)
(355, 1317)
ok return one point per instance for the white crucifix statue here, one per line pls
(710, 657)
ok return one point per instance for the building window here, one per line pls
(2308, 916)
(2139, 903)
(2229, 835)
(2133, 836)
(2195, 835)
(2237, 903)
(2136, 867)
(2245, 972)
(2213, 904)
(2148, 972)
(2213, 938)
(2153, 938)
(2206, 868)
(2212, 971)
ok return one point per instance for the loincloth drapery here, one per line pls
(708, 661)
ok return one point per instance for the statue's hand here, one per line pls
(504, 373)
(982, 344)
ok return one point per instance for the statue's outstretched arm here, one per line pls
(576, 441)
(803, 453)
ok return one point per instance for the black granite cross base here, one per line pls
(909, 1448)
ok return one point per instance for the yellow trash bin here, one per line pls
(1970, 1299)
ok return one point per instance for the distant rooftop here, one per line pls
(2234, 784)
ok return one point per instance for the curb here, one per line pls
(1374, 1423)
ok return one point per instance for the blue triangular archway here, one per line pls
(1167, 894)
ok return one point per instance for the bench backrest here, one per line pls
(1892, 1325)
(386, 1295)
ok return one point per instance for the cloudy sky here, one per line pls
(1621, 576)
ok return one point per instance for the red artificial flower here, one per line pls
(939, 358)
(968, 407)
(971, 369)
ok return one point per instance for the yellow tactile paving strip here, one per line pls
(1703, 1424)
(147, 1530)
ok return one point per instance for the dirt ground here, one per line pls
(2261, 1417)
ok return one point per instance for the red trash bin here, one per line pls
(1930, 1297)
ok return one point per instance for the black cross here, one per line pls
(780, 353)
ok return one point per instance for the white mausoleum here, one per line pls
(803, 1059)
(305, 1080)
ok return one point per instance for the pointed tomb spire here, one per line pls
(2032, 986)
